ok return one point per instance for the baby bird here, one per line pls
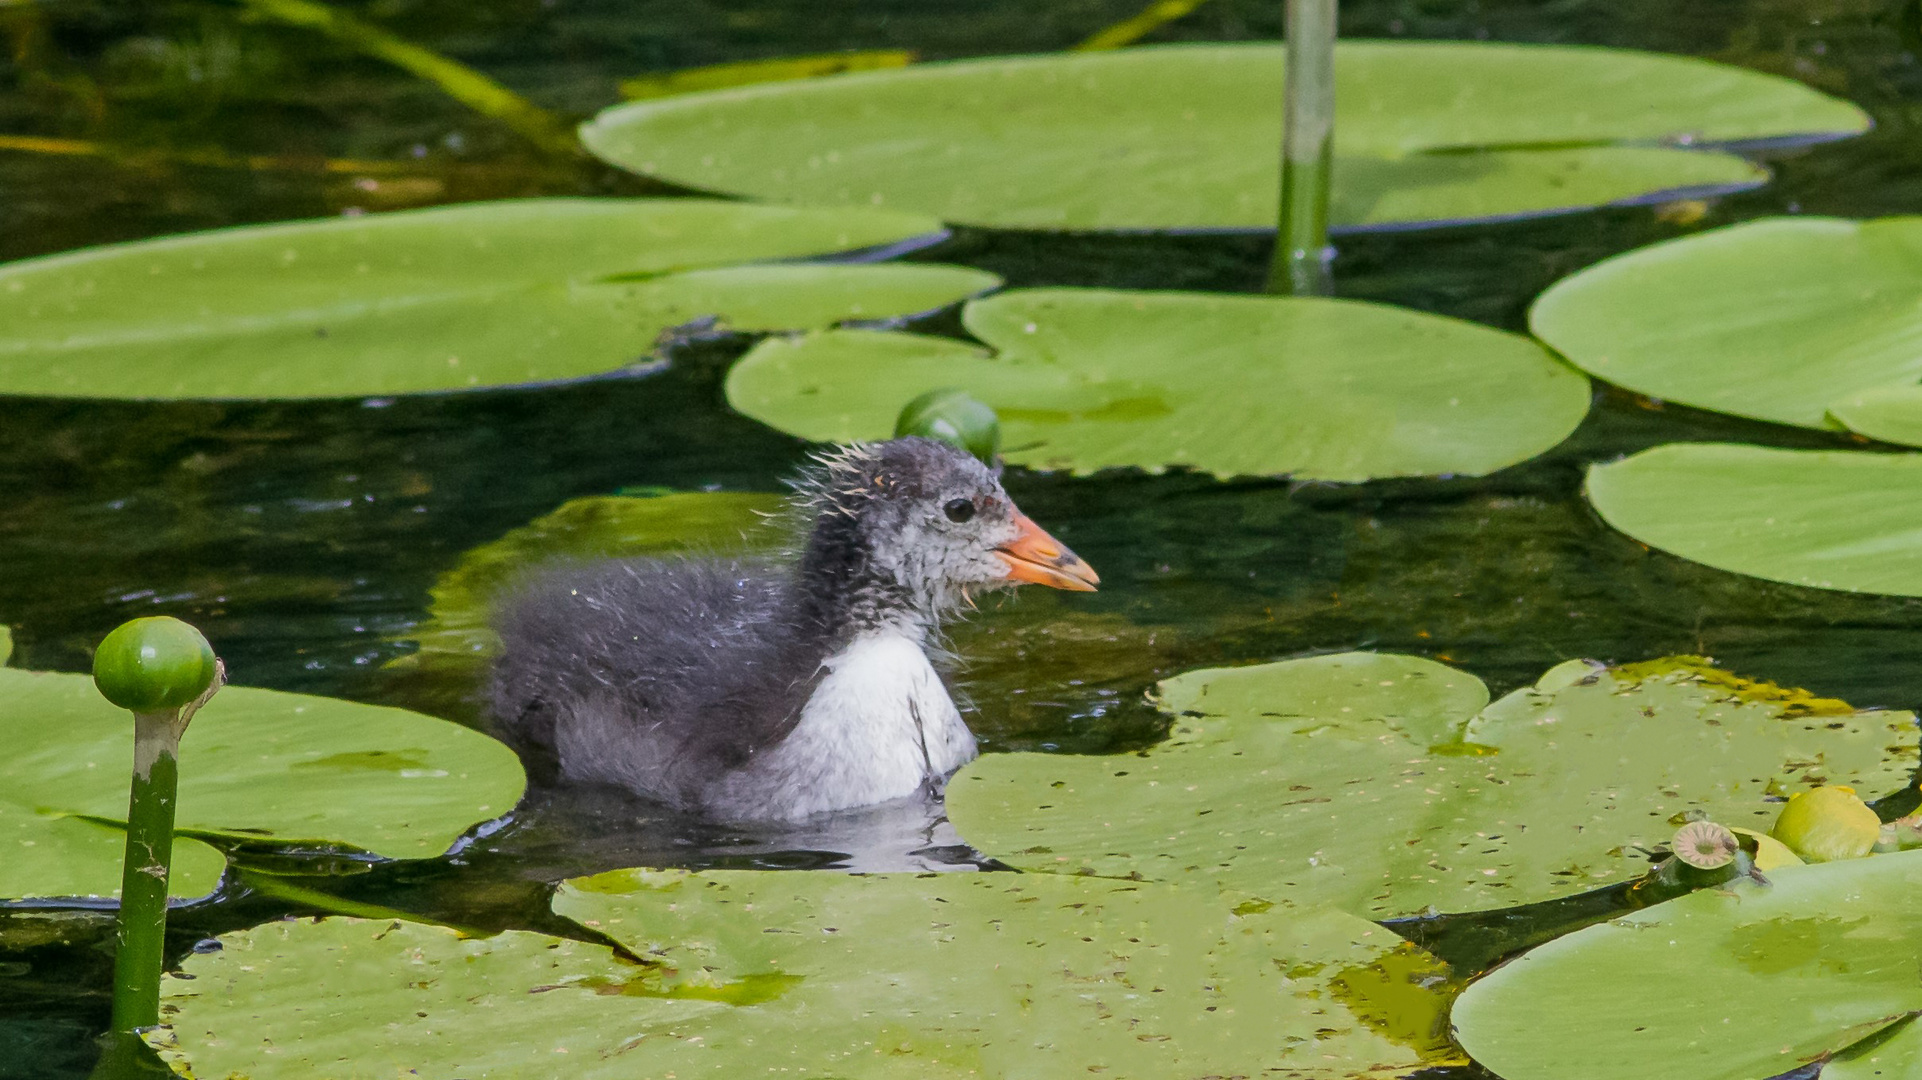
(742, 691)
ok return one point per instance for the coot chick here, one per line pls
(747, 691)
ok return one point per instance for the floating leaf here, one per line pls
(1826, 519)
(1722, 984)
(1188, 136)
(45, 853)
(456, 636)
(481, 294)
(1371, 781)
(1889, 413)
(256, 765)
(1087, 379)
(823, 974)
(1783, 319)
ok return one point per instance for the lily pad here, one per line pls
(1379, 784)
(1088, 379)
(1890, 413)
(255, 765)
(456, 636)
(822, 974)
(1722, 984)
(1829, 519)
(456, 297)
(1793, 320)
(1189, 136)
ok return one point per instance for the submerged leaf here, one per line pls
(1087, 379)
(1722, 984)
(456, 297)
(1380, 783)
(455, 639)
(1827, 519)
(1188, 136)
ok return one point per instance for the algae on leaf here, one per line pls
(1188, 136)
(825, 974)
(1826, 519)
(449, 298)
(1087, 379)
(258, 765)
(1723, 984)
(1793, 320)
(1381, 785)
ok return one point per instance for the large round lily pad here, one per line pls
(48, 854)
(1379, 784)
(482, 294)
(255, 765)
(1087, 379)
(1828, 519)
(822, 974)
(1724, 984)
(1189, 136)
(1784, 319)
(456, 637)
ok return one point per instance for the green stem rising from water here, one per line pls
(1302, 254)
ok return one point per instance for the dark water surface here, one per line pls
(303, 537)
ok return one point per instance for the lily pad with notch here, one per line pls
(1387, 785)
(448, 298)
(1089, 379)
(1188, 136)
(819, 973)
(1723, 984)
(1827, 519)
(257, 765)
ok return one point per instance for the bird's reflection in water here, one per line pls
(580, 829)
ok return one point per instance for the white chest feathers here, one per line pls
(880, 725)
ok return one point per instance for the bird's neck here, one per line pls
(843, 594)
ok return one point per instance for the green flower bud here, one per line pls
(953, 416)
(154, 664)
(1827, 824)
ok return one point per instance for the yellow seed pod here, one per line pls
(1827, 824)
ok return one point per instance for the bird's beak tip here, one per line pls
(1034, 556)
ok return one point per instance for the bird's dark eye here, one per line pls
(959, 510)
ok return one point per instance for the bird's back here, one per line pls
(656, 674)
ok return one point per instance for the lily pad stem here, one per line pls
(150, 841)
(1302, 254)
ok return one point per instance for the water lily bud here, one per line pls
(1705, 845)
(1827, 824)
(154, 664)
(955, 417)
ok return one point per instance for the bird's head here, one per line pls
(926, 522)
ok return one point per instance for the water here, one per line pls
(303, 537)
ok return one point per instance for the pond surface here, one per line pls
(303, 537)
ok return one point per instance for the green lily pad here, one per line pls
(255, 765)
(1829, 519)
(823, 974)
(1379, 784)
(1088, 379)
(1889, 413)
(456, 638)
(449, 298)
(1723, 984)
(48, 854)
(1189, 136)
(1784, 319)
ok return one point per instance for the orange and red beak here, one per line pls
(1036, 557)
